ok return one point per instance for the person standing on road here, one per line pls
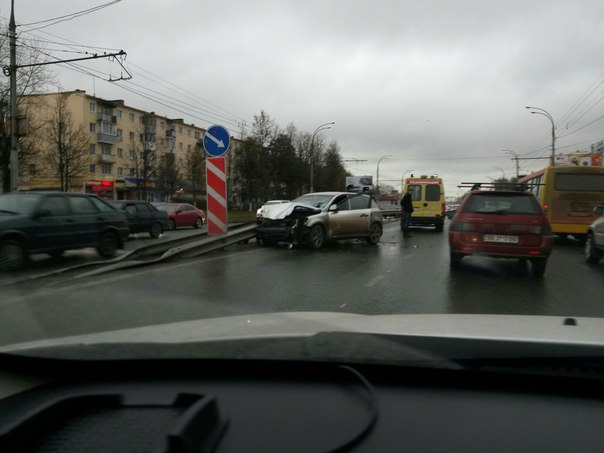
(406, 211)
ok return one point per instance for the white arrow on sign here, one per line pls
(220, 143)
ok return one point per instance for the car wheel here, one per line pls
(455, 260)
(171, 225)
(375, 233)
(316, 237)
(440, 227)
(12, 255)
(108, 245)
(155, 230)
(198, 222)
(592, 254)
(538, 266)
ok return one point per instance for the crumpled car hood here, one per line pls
(283, 210)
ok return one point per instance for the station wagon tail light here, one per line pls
(545, 207)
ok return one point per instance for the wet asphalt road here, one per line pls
(397, 276)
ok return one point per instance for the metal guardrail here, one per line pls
(185, 247)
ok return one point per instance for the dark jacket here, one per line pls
(406, 204)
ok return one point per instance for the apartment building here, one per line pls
(130, 153)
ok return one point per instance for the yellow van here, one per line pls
(428, 197)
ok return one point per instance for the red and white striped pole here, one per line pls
(216, 195)
(216, 142)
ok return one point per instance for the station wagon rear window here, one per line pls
(502, 204)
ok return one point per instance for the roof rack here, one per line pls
(521, 187)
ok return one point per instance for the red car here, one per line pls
(502, 224)
(182, 214)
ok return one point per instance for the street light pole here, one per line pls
(509, 151)
(312, 144)
(548, 116)
(377, 182)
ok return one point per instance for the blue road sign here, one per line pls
(216, 141)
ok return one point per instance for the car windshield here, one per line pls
(443, 158)
(314, 200)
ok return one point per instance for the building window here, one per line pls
(131, 117)
(92, 148)
(196, 134)
(120, 132)
(188, 147)
(120, 171)
(106, 169)
(131, 154)
(120, 152)
(131, 135)
(93, 169)
(119, 114)
(106, 150)
(180, 129)
(132, 172)
(93, 127)
(93, 107)
(161, 125)
(180, 145)
(189, 132)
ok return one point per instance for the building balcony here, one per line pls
(107, 159)
(111, 139)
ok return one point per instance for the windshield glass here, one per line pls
(316, 201)
(445, 162)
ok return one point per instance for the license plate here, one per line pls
(501, 238)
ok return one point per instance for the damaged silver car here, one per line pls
(315, 218)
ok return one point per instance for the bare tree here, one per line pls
(194, 171)
(168, 175)
(143, 154)
(69, 153)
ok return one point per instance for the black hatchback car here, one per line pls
(54, 222)
(143, 217)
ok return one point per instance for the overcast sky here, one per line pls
(440, 86)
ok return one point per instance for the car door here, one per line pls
(185, 215)
(352, 216)
(360, 214)
(145, 215)
(86, 219)
(133, 216)
(52, 226)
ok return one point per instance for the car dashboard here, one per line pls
(281, 406)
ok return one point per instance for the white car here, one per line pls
(260, 211)
(594, 243)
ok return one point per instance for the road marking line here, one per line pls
(374, 281)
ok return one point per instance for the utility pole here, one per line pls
(14, 151)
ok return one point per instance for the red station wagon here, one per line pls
(502, 224)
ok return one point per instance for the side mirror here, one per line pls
(333, 208)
